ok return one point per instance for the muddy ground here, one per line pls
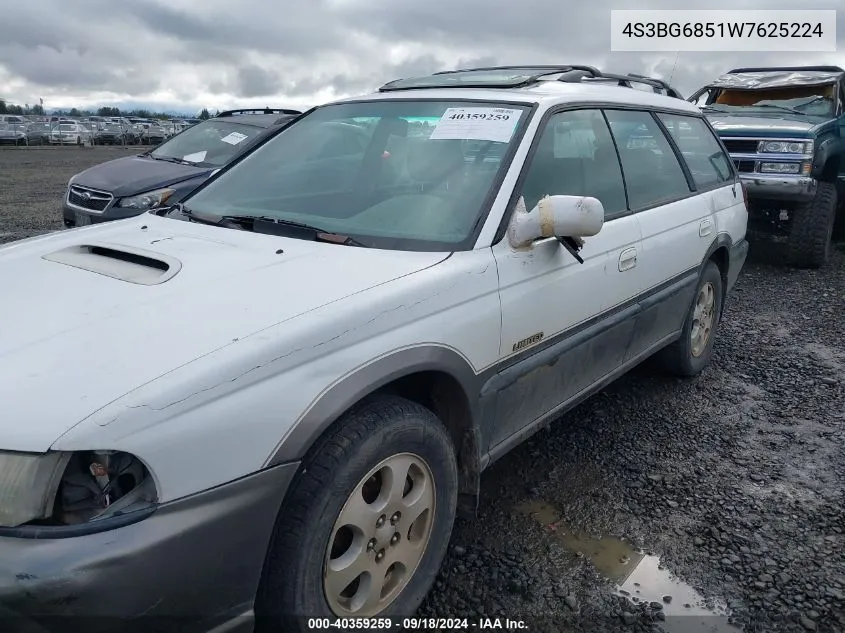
(714, 500)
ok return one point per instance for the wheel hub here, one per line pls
(702, 319)
(380, 536)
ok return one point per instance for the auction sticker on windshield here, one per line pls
(477, 124)
(233, 138)
(196, 157)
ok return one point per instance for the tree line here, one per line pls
(38, 110)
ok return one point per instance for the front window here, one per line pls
(411, 175)
(806, 100)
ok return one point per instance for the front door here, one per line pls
(565, 325)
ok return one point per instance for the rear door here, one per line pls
(678, 179)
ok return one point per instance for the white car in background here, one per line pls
(271, 398)
(71, 133)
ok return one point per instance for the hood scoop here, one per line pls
(133, 265)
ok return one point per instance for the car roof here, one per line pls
(543, 85)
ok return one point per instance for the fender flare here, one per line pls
(829, 149)
(336, 399)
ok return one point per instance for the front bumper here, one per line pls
(737, 255)
(191, 566)
(77, 216)
(779, 187)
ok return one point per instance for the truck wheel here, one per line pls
(811, 235)
(366, 522)
(690, 354)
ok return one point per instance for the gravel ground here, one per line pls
(728, 488)
(33, 181)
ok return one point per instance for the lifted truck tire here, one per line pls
(811, 235)
(341, 514)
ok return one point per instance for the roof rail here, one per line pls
(657, 85)
(532, 75)
(257, 111)
(824, 69)
(551, 69)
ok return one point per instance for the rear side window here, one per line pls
(653, 174)
(709, 165)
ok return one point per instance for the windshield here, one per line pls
(211, 143)
(807, 100)
(409, 175)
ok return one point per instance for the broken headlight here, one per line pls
(28, 484)
(71, 488)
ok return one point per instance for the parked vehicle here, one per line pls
(38, 133)
(349, 339)
(70, 133)
(13, 134)
(785, 130)
(113, 134)
(11, 118)
(152, 134)
(130, 185)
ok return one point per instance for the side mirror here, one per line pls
(555, 216)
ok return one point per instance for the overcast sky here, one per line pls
(187, 54)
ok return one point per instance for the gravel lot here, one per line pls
(33, 181)
(722, 494)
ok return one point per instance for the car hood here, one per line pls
(73, 340)
(132, 175)
(763, 125)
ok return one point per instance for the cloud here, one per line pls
(189, 54)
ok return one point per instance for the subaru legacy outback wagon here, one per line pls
(268, 402)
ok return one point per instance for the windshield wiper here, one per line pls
(247, 222)
(783, 108)
(710, 108)
(320, 235)
(170, 159)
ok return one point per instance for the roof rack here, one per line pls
(258, 111)
(573, 73)
(823, 69)
(658, 85)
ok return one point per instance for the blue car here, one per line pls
(131, 185)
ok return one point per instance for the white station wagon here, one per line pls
(267, 403)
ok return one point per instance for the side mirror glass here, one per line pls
(555, 216)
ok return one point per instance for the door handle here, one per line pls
(627, 259)
(705, 228)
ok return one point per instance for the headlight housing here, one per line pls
(71, 488)
(149, 200)
(780, 168)
(28, 485)
(787, 147)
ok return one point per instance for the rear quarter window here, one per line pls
(707, 162)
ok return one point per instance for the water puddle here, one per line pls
(637, 575)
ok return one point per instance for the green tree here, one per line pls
(37, 109)
(204, 115)
(3, 106)
(74, 112)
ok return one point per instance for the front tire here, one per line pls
(366, 523)
(811, 235)
(690, 354)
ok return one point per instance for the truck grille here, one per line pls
(744, 166)
(741, 146)
(90, 199)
